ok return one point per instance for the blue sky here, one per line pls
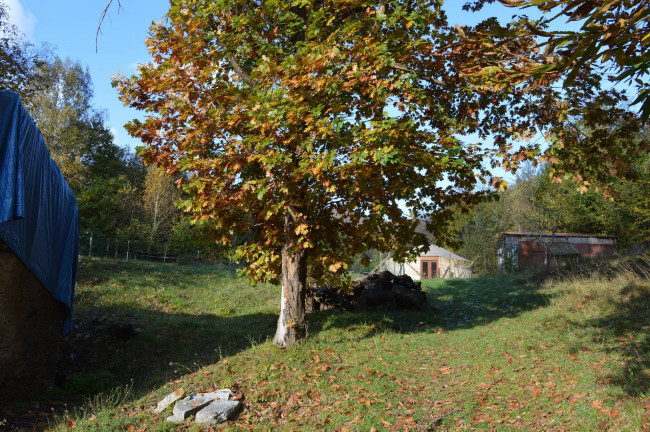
(70, 27)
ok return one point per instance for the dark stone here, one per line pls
(325, 298)
(407, 298)
(373, 298)
(386, 275)
(378, 284)
(382, 290)
(407, 282)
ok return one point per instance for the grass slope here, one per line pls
(501, 353)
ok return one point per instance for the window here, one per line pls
(425, 270)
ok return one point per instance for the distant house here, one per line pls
(436, 263)
(520, 251)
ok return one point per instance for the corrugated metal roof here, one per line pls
(547, 234)
(438, 251)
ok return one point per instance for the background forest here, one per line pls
(536, 203)
(124, 204)
(120, 200)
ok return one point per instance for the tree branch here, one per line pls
(103, 15)
(241, 73)
(381, 11)
(237, 68)
(404, 68)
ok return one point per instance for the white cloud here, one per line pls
(21, 18)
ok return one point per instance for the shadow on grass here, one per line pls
(626, 332)
(169, 344)
(165, 346)
(451, 304)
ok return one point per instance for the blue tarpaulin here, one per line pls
(39, 218)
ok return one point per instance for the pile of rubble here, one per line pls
(209, 409)
(377, 290)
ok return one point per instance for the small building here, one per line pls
(39, 240)
(436, 263)
(520, 251)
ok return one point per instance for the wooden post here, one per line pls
(90, 246)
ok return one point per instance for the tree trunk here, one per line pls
(291, 325)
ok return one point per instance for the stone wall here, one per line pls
(31, 326)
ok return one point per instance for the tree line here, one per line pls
(537, 203)
(119, 198)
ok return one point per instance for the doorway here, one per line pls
(428, 268)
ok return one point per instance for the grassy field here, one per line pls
(502, 353)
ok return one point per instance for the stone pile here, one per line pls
(377, 290)
(209, 409)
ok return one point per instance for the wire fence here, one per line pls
(93, 245)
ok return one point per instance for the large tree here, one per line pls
(326, 128)
(583, 46)
(574, 34)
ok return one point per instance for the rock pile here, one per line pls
(377, 290)
(209, 408)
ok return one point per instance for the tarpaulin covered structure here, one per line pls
(39, 218)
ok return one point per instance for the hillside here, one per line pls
(499, 353)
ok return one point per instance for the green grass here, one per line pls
(501, 353)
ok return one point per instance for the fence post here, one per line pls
(128, 245)
(90, 246)
(108, 243)
(165, 257)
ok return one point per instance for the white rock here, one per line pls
(223, 394)
(169, 399)
(218, 412)
(188, 406)
(174, 419)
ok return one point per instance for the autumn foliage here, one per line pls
(329, 128)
